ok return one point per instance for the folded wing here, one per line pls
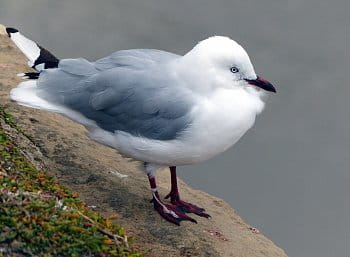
(132, 91)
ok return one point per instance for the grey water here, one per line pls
(289, 175)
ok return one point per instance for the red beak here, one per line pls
(262, 83)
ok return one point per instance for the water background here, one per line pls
(288, 176)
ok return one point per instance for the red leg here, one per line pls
(175, 198)
(167, 211)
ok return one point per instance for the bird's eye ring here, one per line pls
(234, 70)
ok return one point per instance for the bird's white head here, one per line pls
(227, 64)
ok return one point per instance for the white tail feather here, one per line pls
(29, 48)
(26, 94)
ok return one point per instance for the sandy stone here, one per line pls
(2, 30)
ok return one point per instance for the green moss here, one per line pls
(10, 120)
(40, 217)
(7, 118)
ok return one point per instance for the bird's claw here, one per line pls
(186, 207)
(190, 208)
(171, 213)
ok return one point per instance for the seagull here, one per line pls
(157, 107)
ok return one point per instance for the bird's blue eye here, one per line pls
(234, 70)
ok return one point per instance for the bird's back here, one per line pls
(136, 59)
(127, 91)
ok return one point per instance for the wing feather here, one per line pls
(130, 91)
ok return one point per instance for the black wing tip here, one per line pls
(11, 30)
(49, 60)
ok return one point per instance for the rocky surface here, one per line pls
(96, 172)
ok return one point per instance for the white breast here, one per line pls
(219, 122)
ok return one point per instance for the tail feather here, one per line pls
(39, 58)
(26, 94)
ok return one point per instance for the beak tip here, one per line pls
(262, 83)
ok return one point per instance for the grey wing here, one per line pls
(135, 58)
(141, 101)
